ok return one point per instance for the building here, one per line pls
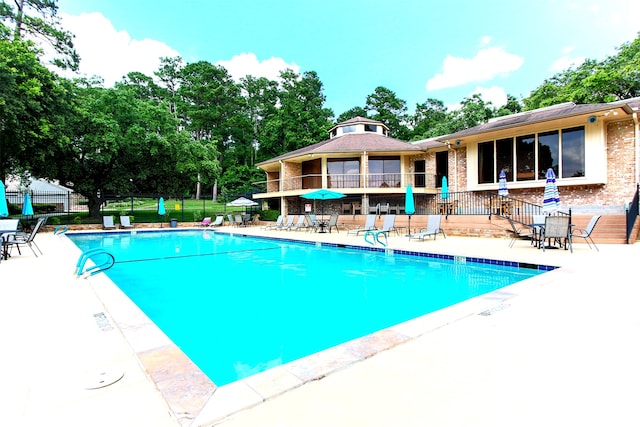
(593, 149)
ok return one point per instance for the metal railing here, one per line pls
(342, 181)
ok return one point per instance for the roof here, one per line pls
(350, 143)
(553, 112)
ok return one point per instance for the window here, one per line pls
(485, 162)
(504, 157)
(573, 152)
(563, 151)
(370, 128)
(548, 152)
(348, 129)
(384, 172)
(525, 158)
(343, 173)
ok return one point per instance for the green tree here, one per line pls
(38, 20)
(33, 106)
(383, 105)
(427, 119)
(121, 143)
(351, 113)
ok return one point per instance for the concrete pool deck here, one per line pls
(558, 349)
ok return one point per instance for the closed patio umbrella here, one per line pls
(27, 208)
(161, 210)
(551, 200)
(502, 184)
(4, 209)
(445, 189)
(323, 194)
(409, 205)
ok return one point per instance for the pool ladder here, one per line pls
(98, 254)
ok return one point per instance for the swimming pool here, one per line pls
(240, 305)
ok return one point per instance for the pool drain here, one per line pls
(103, 379)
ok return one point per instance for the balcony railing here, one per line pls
(342, 181)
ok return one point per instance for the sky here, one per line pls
(419, 49)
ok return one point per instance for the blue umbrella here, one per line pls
(323, 194)
(445, 188)
(551, 200)
(4, 209)
(409, 205)
(502, 184)
(161, 210)
(27, 209)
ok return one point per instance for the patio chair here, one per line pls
(21, 238)
(206, 222)
(276, 225)
(374, 209)
(346, 208)
(357, 207)
(107, 223)
(433, 228)
(312, 222)
(286, 225)
(388, 225)
(217, 222)
(522, 232)
(125, 221)
(585, 233)
(556, 228)
(239, 222)
(333, 222)
(8, 228)
(300, 224)
(384, 209)
(369, 224)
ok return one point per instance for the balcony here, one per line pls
(382, 183)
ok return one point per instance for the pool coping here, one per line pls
(196, 400)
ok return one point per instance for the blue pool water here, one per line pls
(239, 305)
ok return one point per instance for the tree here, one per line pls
(427, 118)
(38, 20)
(351, 113)
(383, 105)
(474, 111)
(615, 78)
(121, 143)
(33, 106)
(301, 119)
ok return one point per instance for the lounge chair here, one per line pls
(278, 223)
(433, 228)
(21, 238)
(585, 233)
(286, 225)
(299, 224)
(556, 228)
(333, 222)
(234, 221)
(312, 222)
(125, 221)
(239, 222)
(388, 225)
(107, 223)
(369, 224)
(522, 232)
(206, 222)
(218, 221)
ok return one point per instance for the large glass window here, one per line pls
(573, 152)
(525, 158)
(343, 173)
(384, 172)
(485, 162)
(548, 152)
(563, 151)
(504, 157)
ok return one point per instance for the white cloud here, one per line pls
(566, 61)
(494, 94)
(247, 64)
(109, 53)
(484, 41)
(487, 64)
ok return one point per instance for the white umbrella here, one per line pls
(551, 200)
(242, 201)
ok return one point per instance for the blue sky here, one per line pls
(419, 49)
